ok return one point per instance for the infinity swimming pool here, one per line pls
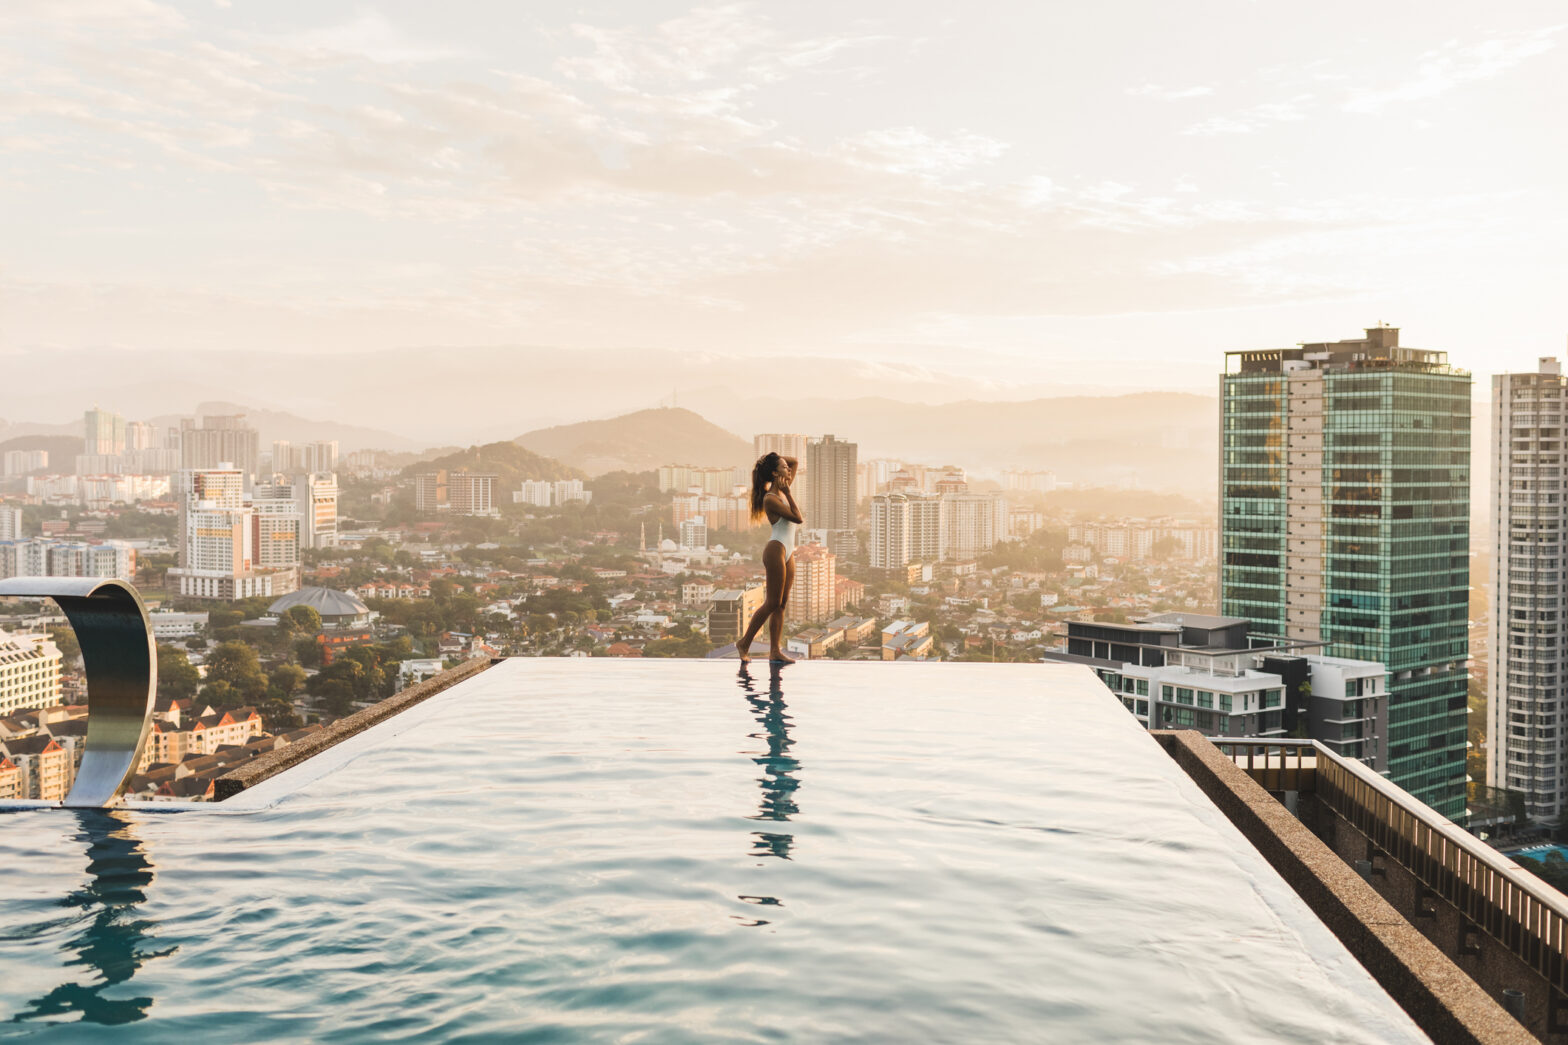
(576, 850)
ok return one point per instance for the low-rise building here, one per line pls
(816, 642)
(29, 673)
(731, 610)
(1194, 671)
(45, 766)
(906, 638)
(856, 629)
(210, 732)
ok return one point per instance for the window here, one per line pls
(1143, 708)
(1205, 699)
(1168, 692)
(1273, 698)
(1183, 695)
(1224, 701)
(1143, 688)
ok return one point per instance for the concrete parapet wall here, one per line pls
(1441, 998)
(270, 765)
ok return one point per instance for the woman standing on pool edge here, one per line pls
(770, 496)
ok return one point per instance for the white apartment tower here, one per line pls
(972, 523)
(785, 444)
(219, 533)
(905, 528)
(1527, 690)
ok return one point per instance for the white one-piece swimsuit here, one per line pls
(784, 533)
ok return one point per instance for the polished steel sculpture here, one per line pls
(121, 659)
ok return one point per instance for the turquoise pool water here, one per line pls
(668, 852)
(1537, 852)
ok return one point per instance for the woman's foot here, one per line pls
(745, 655)
(778, 656)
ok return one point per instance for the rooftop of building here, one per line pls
(328, 602)
(1379, 349)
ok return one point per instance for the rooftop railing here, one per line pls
(1520, 911)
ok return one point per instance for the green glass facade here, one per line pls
(1387, 578)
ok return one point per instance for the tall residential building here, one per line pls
(275, 524)
(1527, 687)
(471, 493)
(785, 444)
(829, 476)
(972, 524)
(693, 534)
(813, 597)
(544, 493)
(217, 534)
(1043, 482)
(461, 493)
(319, 457)
(142, 435)
(220, 440)
(430, 491)
(284, 456)
(21, 462)
(681, 478)
(104, 432)
(10, 524)
(905, 528)
(1345, 490)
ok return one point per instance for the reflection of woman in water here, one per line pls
(112, 941)
(777, 783)
(770, 496)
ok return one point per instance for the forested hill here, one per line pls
(640, 441)
(510, 462)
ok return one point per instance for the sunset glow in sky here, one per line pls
(1061, 192)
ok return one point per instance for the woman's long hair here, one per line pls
(761, 475)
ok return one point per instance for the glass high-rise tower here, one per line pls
(1345, 519)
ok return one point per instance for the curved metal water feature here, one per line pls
(121, 659)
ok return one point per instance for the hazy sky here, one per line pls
(1068, 192)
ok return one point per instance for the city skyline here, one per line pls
(1043, 200)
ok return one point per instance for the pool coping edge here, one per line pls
(271, 764)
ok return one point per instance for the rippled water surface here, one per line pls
(669, 852)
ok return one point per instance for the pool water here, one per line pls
(577, 850)
(1537, 852)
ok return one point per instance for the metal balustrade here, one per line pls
(1520, 911)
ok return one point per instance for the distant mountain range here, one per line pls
(640, 441)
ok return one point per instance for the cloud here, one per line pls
(1169, 94)
(1441, 70)
(1254, 118)
(369, 35)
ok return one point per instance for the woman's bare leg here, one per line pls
(774, 563)
(776, 623)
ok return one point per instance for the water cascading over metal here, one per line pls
(121, 661)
